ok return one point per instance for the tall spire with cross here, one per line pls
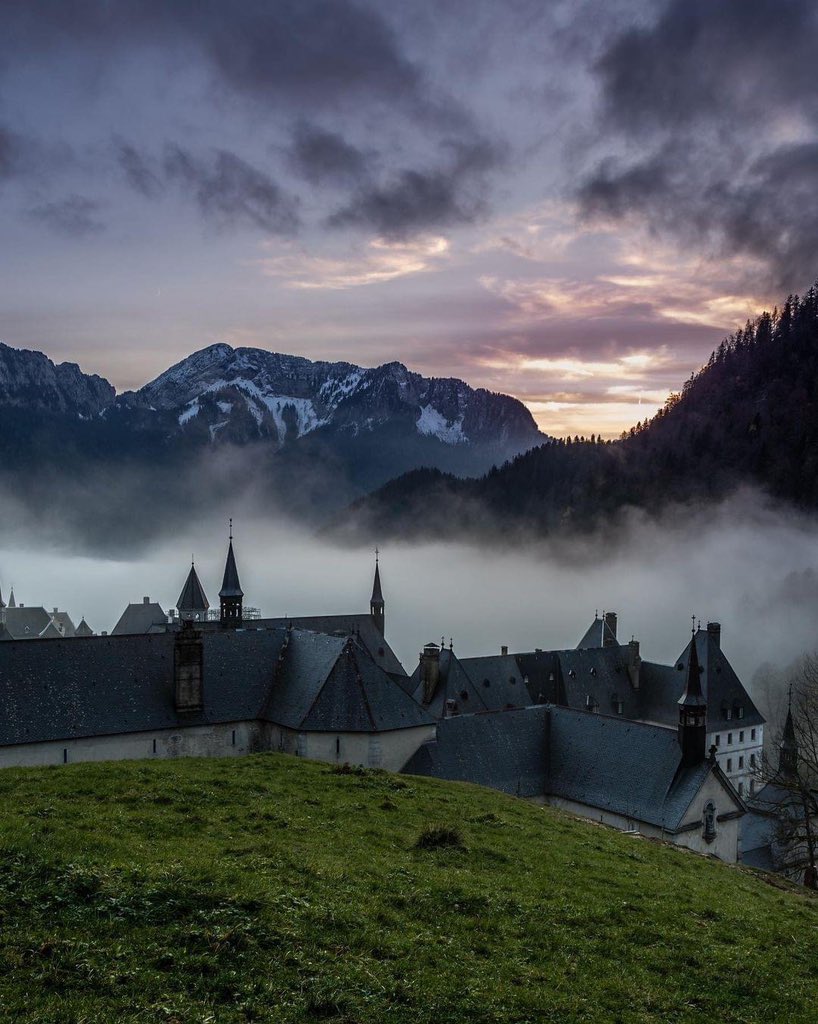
(377, 607)
(788, 750)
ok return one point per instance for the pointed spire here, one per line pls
(377, 606)
(692, 732)
(788, 749)
(2, 602)
(12, 602)
(192, 603)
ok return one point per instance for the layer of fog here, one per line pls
(747, 564)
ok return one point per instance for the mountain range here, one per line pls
(304, 437)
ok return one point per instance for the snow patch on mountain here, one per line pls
(188, 414)
(434, 424)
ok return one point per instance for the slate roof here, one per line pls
(141, 618)
(193, 597)
(598, 634)
(504, 750)
(721, 686)
(610, 763)
(83, 629)
(25, 623)
(343, 625)
(62, 689)
(498, 680)
(628, 768)
(455, 684)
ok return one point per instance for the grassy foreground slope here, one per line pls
(273, 889)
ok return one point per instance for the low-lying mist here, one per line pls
(746, 563)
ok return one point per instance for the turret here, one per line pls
(788, 749)
(376, 602)
(231, 594)
(693, 712)
(192, 604)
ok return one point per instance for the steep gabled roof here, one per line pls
(144, 617)
(721, 687)
(454, 684)
(193, 597)
(26, 623)
(498, 680)
(598, 634)
(343, 625)
(83, 629)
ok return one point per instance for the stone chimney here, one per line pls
(146, 600)
(714, 633)
(634, 663)
(610, 622)
(188, 676)
(504, 650)
(429, 671)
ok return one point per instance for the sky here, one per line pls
(566, 201)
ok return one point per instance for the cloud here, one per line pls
(138, 171)
(73, 217)
(319, 156)
(415, 200)
(710, 119)
(381, 261)
(230, 191)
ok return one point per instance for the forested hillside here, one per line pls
(749, 417)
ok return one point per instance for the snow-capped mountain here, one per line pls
(246, 393)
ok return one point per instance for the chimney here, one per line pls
(429, 671)
(187, 669)
(146, 600)
(634, 663)
(714, 633)
(504, 650)
(610, 622)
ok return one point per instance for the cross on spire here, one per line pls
(231, 527)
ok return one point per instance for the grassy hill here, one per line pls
(272, 889)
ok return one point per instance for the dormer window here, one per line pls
(740, 711)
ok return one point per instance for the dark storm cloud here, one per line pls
(315, 51)
(320, 156)
(230, 191)
(416, 200)
(75, 216)
(721, 103)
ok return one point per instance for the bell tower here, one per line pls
(231, 594)
(693, 712)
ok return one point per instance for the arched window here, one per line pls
(709, 821)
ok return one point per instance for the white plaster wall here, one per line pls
(738, 748)
(234, 738)
(390, 750)
(724, 846)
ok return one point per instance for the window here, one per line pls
(718, 740)
(727, 714)
(740, 763)
(741, 789)
(154, 746)
(729, 764)
(709, 821)
(752, 760)
(752, 734)
(234, 738)
(729, 738)
(741, 736)
(752, 786)
(741, 711)
(65, 755)
(619, 706)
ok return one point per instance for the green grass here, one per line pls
(272, 889)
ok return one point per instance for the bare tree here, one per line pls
(789, 793)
